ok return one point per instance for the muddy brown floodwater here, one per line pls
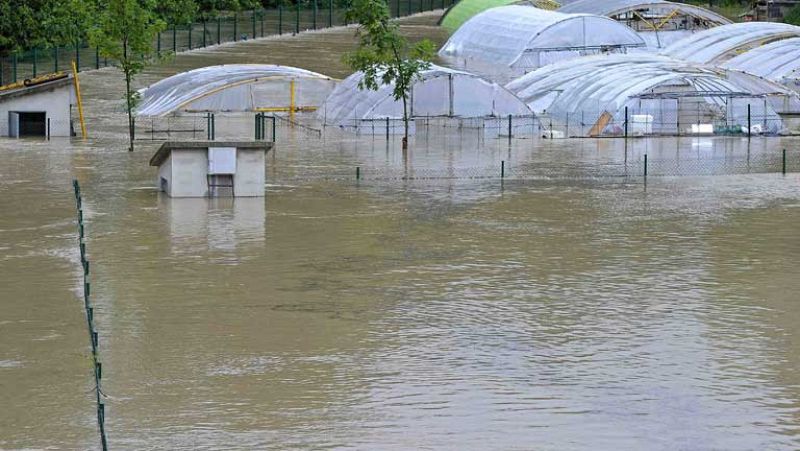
(450, 313)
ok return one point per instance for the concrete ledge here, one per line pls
(163, 152)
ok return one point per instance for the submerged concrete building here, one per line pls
(38, 107)
(212, 168)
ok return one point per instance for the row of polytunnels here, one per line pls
(587, 68)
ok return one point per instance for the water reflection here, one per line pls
(198, 225)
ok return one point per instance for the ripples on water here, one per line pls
(442, 314)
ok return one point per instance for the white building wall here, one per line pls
(55, 102)
(250, 176)
(189, 173)
(165, 173)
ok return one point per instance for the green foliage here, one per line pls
(67, 21)
(177, 12)
(383, 55)
(124, 33)
(26, 24)
(793, 16)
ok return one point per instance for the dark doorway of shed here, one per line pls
(32, 124)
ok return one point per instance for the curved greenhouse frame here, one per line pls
(595, 93)
(648, 10)
(778, 61)
(236, 88)
(438, 93)
(713, 45)
(660, 22)
(517, 39)
(463, 10)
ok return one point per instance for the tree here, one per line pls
(66, 21)
(384, 56)
(793, 16)
(125, 33)
(20, 25)
(177, 12)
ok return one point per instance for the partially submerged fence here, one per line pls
(94, 338)
(284, 19)
(634, 170)
(747, 119)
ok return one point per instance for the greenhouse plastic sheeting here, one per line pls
(516, 36)
(778, 61)
(235, 87)
(586, 88)
(466, 9)
(661, 8)
(711, 45)
(439, 92)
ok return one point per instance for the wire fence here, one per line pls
(94, 338)
(283, 19)
(746, 116)
(783, 162)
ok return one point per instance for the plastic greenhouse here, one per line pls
(660, 22)
(441, 96)
(717, 44)
(236, 88)
(511, 40)
(778, 61)
(642, 94)
(463, 10)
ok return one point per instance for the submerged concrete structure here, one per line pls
(212, 168)
(38, 107)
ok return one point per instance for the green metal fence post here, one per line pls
(1, 72)
(97, 57)
(205, 32)
(14, 68)
(34, 61)
(254, 24)
(235, 27)
(315, 14)
(55, 59)
(330, 13)
(174, 39)
(158, 44)
(190, 36)
(219, 31)
(409, 8)
(297, 19)
(784, 162)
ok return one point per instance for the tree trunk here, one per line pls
(405, 123)
(126, 68)
(131, 126)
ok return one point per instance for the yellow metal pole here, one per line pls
(78, 96)
(647, 22)
(668, 18)
(291, 99)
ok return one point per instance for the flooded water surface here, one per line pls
(401, 311)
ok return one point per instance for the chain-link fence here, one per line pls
(284, 19)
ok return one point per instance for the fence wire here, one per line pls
(637, 170)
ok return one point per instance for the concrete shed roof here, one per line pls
(163, 152)
(36, 89)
